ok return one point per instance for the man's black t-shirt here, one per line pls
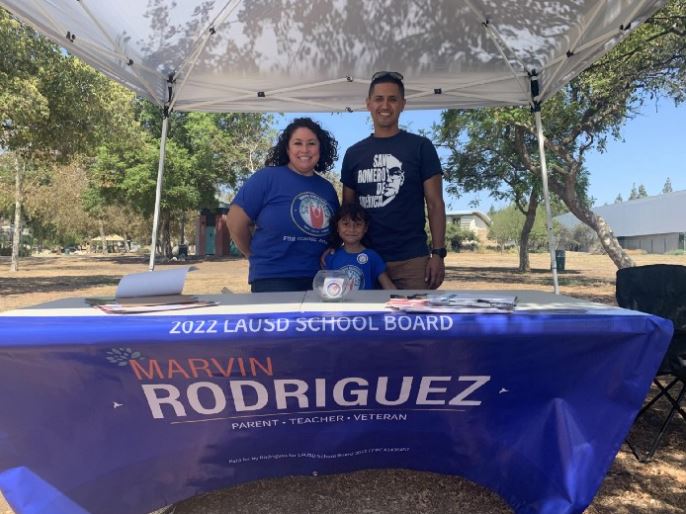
(388, 176)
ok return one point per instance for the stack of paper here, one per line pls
(143, 304)
(453, 302)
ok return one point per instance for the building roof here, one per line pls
(477, 214)
(660, 214)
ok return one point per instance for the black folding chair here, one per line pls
(660, 289)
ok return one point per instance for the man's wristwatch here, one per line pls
(441, 252)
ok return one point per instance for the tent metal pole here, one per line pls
(546, 198)
(158, 193)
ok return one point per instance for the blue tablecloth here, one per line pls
(125, 414)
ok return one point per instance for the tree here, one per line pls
(581, 238)
(593, 107)
(483, 160)
(55, 107)
(619, 198)
(642, 193)
(52, 106)
(489, 150)
(205, 154)
(507, 224)
(633, 195)
(232, 145)
(457, 237)
(22, 105)
(124, 176)
(53, 204)
(667, 188)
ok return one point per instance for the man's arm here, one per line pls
(349, 195)
(239, 228)
(433, 195)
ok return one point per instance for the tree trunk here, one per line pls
(530, 218)
(166, 237)
(182, 237)
(103, 238)
(585, 215)
(16, 237)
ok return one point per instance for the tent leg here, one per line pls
(158, 194)
(546, 198)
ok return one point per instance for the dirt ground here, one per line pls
(630, 487)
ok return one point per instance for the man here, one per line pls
(392, 173)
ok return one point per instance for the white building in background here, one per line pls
(476, 221)
(656, 224)
(7, 231)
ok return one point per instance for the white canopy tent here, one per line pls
(318, 55)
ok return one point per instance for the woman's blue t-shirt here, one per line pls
(291, 214)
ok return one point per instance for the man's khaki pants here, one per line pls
(408, 274)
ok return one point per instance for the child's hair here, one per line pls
(355, 212)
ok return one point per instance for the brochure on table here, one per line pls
(453, 302)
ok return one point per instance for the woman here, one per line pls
(290, 206)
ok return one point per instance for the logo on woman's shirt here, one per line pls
(311, 214)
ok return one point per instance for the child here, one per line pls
(364, 266)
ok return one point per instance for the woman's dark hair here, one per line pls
(355, 212)
(328, 146)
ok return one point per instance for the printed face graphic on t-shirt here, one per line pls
(388, 176)
(311, 214)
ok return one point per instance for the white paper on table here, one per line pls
(152, 283)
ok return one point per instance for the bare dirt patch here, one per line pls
(42, 279)
(658, 487)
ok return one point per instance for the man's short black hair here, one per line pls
(387, 77)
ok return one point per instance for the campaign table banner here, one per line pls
(126, 414)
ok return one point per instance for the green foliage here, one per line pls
(581, 238)
(52, 104)
(459, 238)
(633, 195)
(6, 184)
(23, 62)
(667, 188)
(205, 153)
(496, 149)
(482, 153)
(506, 229)
(229, 146)
(54, 107)
(637, 193)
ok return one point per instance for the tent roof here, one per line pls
(291, 55)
